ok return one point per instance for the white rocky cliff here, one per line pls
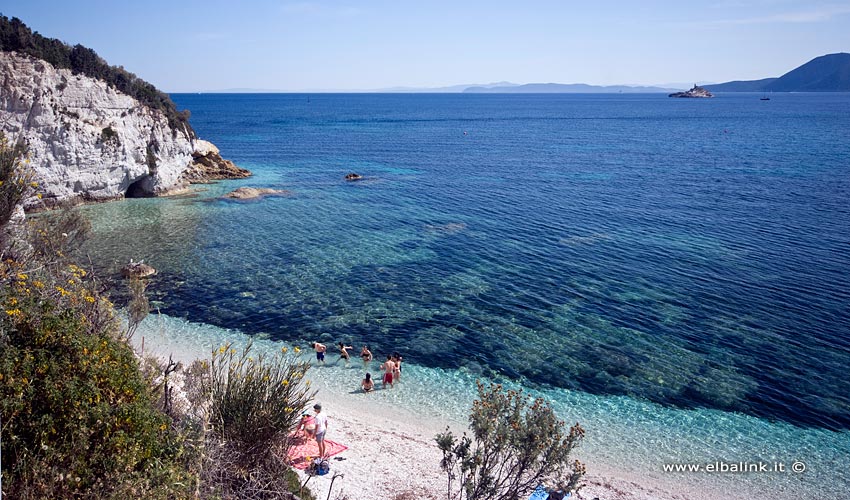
(89, 142)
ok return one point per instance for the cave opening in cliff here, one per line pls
(139, 188)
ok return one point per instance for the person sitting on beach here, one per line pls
(389, 367)
(343, 352)
(367, 383)
(308, 425)
(397, 370)
(320, 351)
(366, 356)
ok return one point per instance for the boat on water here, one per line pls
(765, 98)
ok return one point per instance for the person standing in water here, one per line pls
(320, 352)
(343, 353)
(388, 366)
(366, 356)
(397, 370)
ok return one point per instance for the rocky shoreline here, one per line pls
(87, 142)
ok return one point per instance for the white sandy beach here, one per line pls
(392, 450)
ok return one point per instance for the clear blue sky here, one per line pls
(187, 45)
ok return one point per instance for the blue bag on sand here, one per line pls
(319, 467)
(539, 493)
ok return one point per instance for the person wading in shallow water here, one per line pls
(397, 370)
(388, 366)
(320, 352)
(321, 427)
(366, 356)
(343, 353)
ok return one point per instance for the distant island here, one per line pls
(829, 73)
(564, 88)
(697, 92)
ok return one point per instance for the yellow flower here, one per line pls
(222, 349)
(163, 427)
(90, 299)
(283, 350)
(296, 349)
(284, 382)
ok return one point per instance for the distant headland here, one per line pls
(828, 73)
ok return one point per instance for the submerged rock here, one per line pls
(697, 91)
(137, 270)
(251, 193)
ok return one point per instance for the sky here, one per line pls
(294, 45)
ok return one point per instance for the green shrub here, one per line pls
(56, 236)
(514, 447)
(256, 400)
(77, 415)
(15, 181)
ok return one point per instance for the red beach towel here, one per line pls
(306, 447)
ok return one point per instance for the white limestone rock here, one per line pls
(86, 140)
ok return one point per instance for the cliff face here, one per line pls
(86, 140)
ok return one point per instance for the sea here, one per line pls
(672, 273)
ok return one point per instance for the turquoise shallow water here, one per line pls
(629, 256)
(627, 438)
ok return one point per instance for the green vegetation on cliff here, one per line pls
(18, 37)
(82, 417)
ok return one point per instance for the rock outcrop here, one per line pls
(250, 193)
(208, 165)
(697, 91)
(137, 270)
(90, 142)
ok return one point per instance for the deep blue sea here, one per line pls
(689, 253)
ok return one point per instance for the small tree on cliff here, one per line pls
(15, 179)
(516, 444)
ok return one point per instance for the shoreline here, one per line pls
(391, 448)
